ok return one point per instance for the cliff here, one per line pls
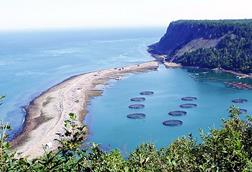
(208, 43)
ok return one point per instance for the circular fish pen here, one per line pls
(188, 105)
(146, 93)
(239, 100)
(137, 99)
(172, 123)
(189, 98)
(238, 85)
(136, 106)
(243, 111)
(177, 113)
(136, 116)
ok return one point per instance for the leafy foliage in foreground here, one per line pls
(226, 149)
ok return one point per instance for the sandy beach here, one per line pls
(167, 64)
(46, 113)
(172, 65)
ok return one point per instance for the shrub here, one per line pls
(225, 149)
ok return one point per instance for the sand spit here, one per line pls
(172, 65)
(46, 113)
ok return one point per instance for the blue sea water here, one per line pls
(31, 62)
(110, 127)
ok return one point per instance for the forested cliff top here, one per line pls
(208, 43)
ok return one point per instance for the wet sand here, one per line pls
(172, 65)
(46, 113)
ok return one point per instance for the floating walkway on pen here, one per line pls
(136, 106)
(172, 123)
(243, 111)
(173, 114)
(136, 116)
(189, 98)
(239, 100)
(137, 99)
(146, 93)
(238, 85)
(177, 113)
(188, 105)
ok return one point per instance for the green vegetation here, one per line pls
(226, 149)
(230, 22)
(232, 52)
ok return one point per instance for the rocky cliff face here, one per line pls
(208, 43)
(181, 32)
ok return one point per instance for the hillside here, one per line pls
(208, 43)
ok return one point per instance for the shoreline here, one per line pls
(172, 65)
(46, 113)
(161, 59)
(241, 75)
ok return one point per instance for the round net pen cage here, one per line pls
(177, 113)
(238, 85)
(243, 111)
(137, 99)
(136, 116)
(136, 106)
(189, 98)
(188, 105)
(172, 123)
(146, 93)
(239, 100)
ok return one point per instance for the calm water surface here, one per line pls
(31, 62)
(110, 127)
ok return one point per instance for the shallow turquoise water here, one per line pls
(110, 127)
(33, 61)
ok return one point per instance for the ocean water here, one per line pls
(33, 61)
(110, 127)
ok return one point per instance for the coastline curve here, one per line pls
(45, 115)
